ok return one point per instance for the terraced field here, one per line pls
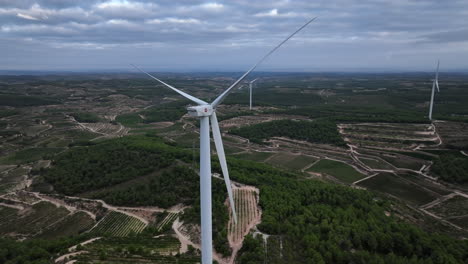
(105, 128)
(389, 135)
(118, 225)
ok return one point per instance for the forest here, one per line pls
(451, 166)
(87, 168)
(319, 131)
(356, 113)
(165, 189)
(24, 100)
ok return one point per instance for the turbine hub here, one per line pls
(200, 110)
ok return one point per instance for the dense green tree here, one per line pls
(312, 131)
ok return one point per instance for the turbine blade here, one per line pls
(186, 95)
(222, 161)
(254, 80)
(437, 71)
(220, 98)
(437, 85)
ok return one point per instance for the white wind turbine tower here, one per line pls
(250, 88)
(207, 113)
(435, 84)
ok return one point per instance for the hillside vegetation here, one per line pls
(452, 167)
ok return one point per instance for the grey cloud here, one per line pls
(205, 27)
(460, 35)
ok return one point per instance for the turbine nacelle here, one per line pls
(200, 110)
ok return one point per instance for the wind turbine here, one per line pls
(250, 87)
(435, 84)
(206, 112)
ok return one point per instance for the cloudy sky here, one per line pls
(192, 35)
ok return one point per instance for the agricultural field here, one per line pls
(292, 162)
(380, 159)
(254, 156)
(396, 186)
(75, 223)
(338, 170)
(455, 206)
(376, 163)
(389, 135)
(118, 225)
(137, 249)
(31, 221)
(167, 221)
(452, 134)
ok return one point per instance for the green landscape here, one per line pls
(334, 173)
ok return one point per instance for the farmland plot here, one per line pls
(341, 171)
(254, 156)
(118, 224)
(73, 224)
(167, 221)
(454, 207)
(289, 161)
(400, 188)
(141, 249)
(32, 220)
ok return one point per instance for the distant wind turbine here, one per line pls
(207, 113)
(435, 84)
(250, 88)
